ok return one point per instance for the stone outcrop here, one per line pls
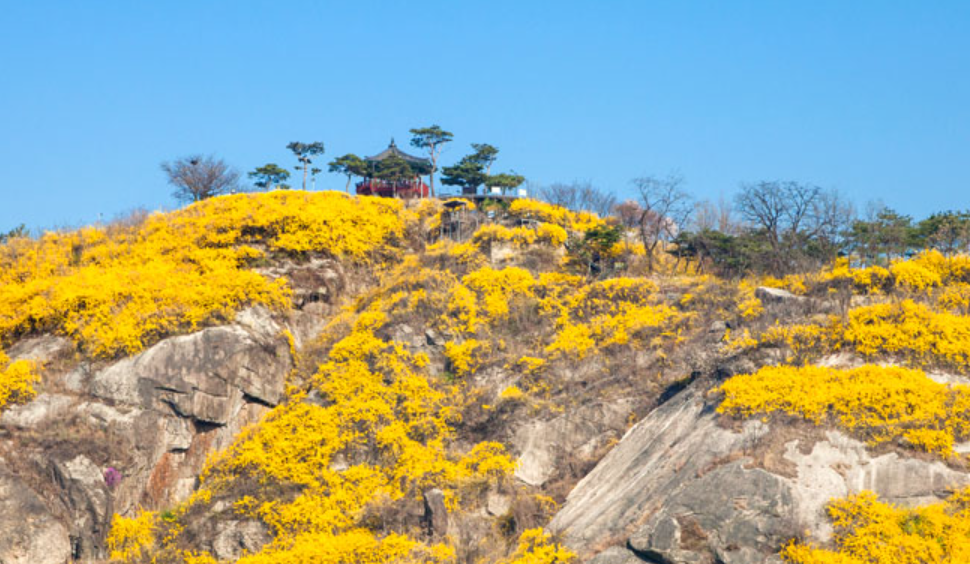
(543, 447)
(154, 417)
(680, 488)
(31, 534)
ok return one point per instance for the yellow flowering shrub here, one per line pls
(536, 547)
(869, 280)
(199, 558)
(907, 330)
(868, 531)
(735, 343)
(511, 393)
(552, 235)
(296, 221)
(872, 279)
(748, 304)
(955, 298)
(391, 426)
(549, 213)
(617, 311)
(914, 275)
(531, 365)
(878, 404)
(544, 233)
(115, 290)
(129, 538)
(465, 357)
(572, 341)
(806, 341)
(359, 546)
(911, 330)
(497, 288)
(17, 381)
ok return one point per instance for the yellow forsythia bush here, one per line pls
(912, 274)
(129, 538)
(17, 381)
(806, 341)
(536, 547)
(359, 546)
(392, 429)
(907, 330)
(116, 289)
(549, 213)
(497, 288)
(868, 531)
(618, 311)
(878, 404)
(544, 233)
(465, 357)
(748, 304)
(912, 330)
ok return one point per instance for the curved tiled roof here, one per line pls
(393, 151)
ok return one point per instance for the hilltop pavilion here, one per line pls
(395, 174)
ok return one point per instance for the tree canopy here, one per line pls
(467, 174)
(270, 176)
(198, 177)
(431, 140)
(304, 154)
(350, 165)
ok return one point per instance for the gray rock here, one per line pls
(775, 295)
(41, 349)
(679, 488)
(160, 412)
(31, 534)
(205, 376)
(234, 538)
(616, 555)
(435, 513)
(85, 495)
(731, 515)
(717, 329)
(543, 446)
(840, 465)
(661, 454)
(44, 409)
(497, 504)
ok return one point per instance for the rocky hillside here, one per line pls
(310, 377)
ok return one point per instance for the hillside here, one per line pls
(312, 377)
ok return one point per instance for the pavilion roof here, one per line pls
(393, 151)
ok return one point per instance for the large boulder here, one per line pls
(31, 533)
(546, 447)
(154, 417)
(682, 488)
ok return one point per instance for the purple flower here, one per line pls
(112, 477)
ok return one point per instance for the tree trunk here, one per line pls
(434, 167)
(304, 175)
(347, 187)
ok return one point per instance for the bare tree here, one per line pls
(715, 216)
(628, 213)
(198, 177)
(789, 215)
(664, 209)
(578, 196)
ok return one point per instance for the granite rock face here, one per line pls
(31, 533)
(155, 416)
(680, 488)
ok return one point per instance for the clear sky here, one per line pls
(872, 98)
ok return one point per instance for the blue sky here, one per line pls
(872, 98)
